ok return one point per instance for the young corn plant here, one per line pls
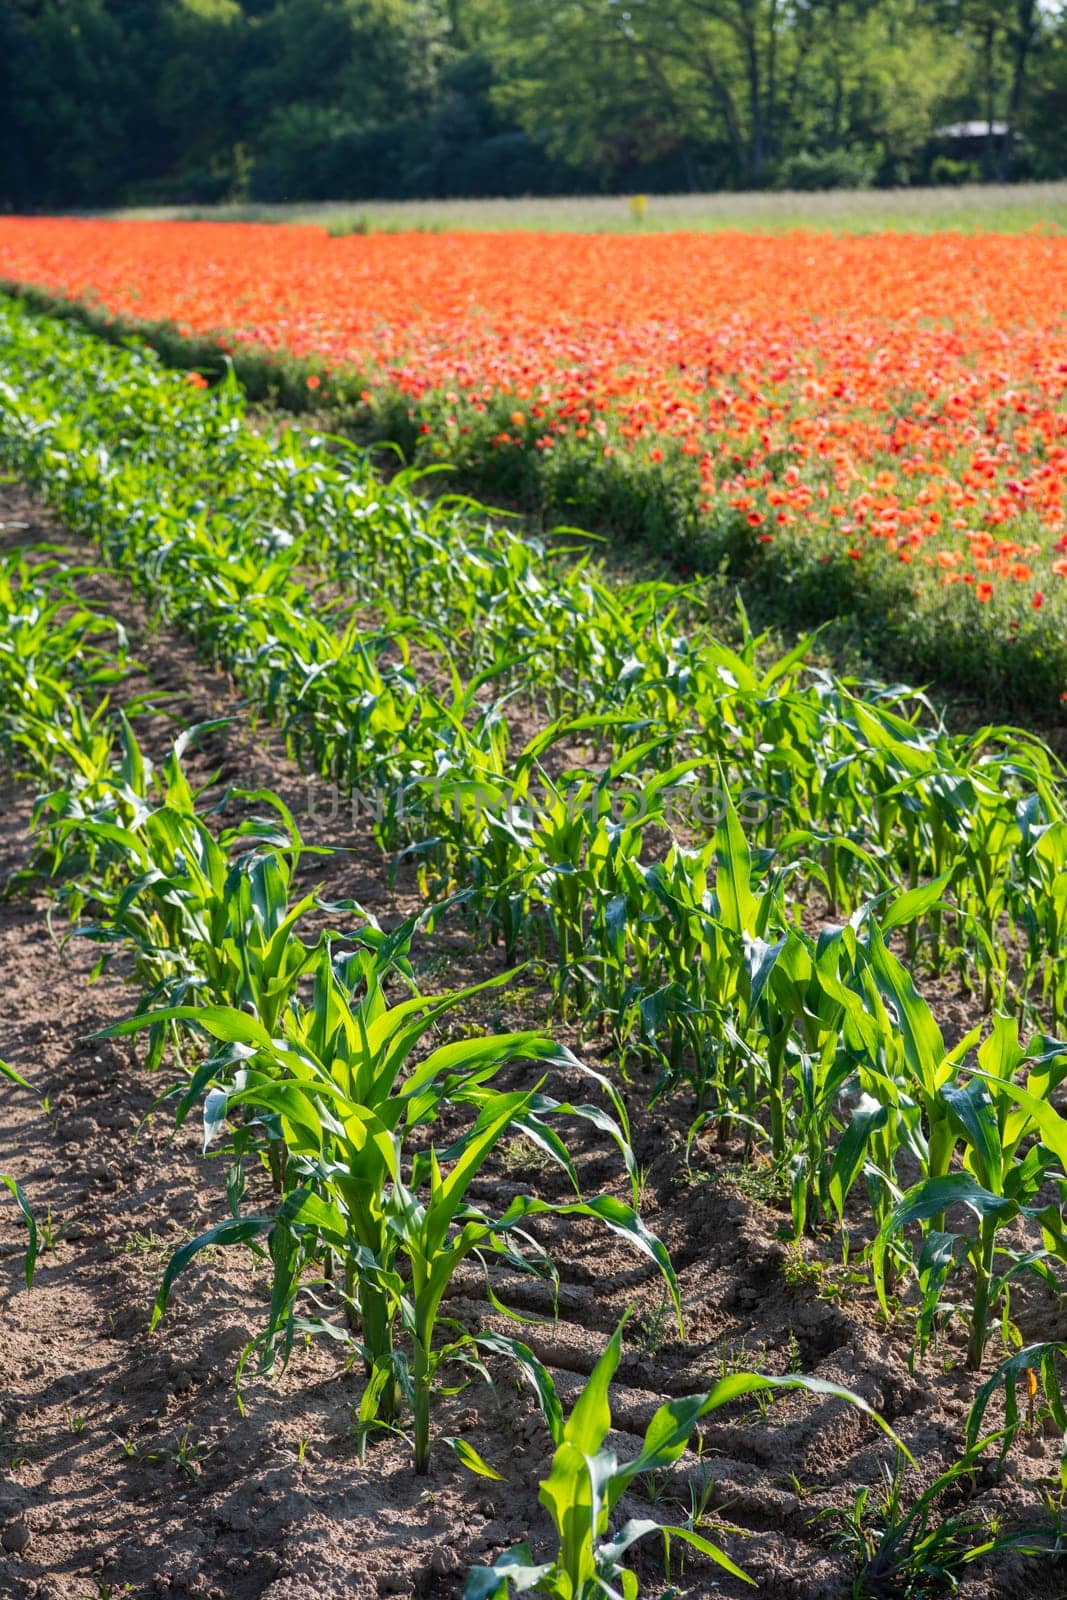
(1012, 1143)
(826, 1059)
(587, 1482)
(17, 1194)
(1041, 889)
(14, 1188)
(799, 1068)
(706, 919)
(908, 1551)
(582, 828)
(362, 1191)
(207, 915)
(897, 1052)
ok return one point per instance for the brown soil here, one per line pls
(124, 1460)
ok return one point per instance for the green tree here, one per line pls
(758, 80)
(66, 96)
(198, 59)
(107, 100)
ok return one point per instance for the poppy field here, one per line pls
(863, 429)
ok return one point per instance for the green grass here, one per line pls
(970, 208)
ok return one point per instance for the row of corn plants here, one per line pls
(323, 1093)
(881, 789)
(316, 1079)
(864, 791)
(314, 1071)
(588, 836)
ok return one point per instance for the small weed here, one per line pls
(700, 1496)
(51, 1233)
(798, 1272)
(651, 1488)
(909, 1553)
(642, 1184)
(767, 1185)
(155, 1249)
(652, 1330)
(148, 1247)
(132, 1450)
(188, 1453)
(519, 1157)
(835, 1285)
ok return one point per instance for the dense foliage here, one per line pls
(109, 101)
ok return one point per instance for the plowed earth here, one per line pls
(125, 1465)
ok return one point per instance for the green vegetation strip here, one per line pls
(968, 208)
(876, 611)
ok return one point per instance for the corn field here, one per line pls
(793, 915)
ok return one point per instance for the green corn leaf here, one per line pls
(493, 1121)
(223, 1022)
(634, 1530)
(1051, 1126)
(972, 1112)
(924, 1048)
(621, 1219)
(241, 1231)
(31, 1223)
(544, 1106)
(304, 1208)
(868, 1117)
(1001, 1055)
(473, 1462)
(913, 904)
(931, 1198)
(534, 1128)
(489, 1050)
(671, 1428)
(738, 906)
(216, 1102)
(760, 961)
(7, 1071)
(587, 1426)
(287, 1100)
(567, 1497)
(513, 1572)
(537, 1374)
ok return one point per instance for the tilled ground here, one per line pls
(126, 1467)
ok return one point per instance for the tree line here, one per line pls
(110, 102)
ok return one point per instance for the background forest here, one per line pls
(110, 102)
